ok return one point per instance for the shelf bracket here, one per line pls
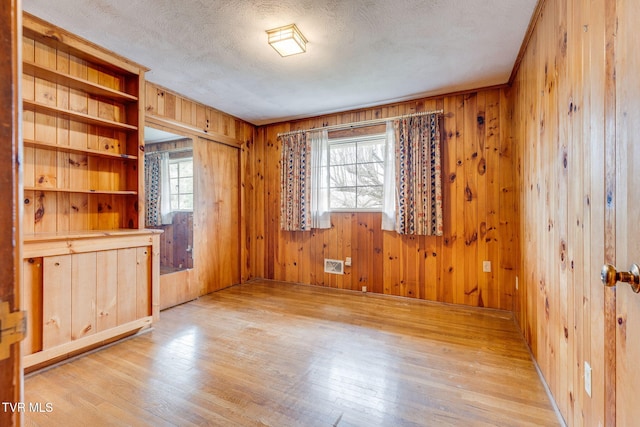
(13, 328)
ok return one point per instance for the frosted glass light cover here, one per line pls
(287, 40)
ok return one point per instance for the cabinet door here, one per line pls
(107, 290)
(83, 295)
(32, 304)
(56, 307)
(127, 275)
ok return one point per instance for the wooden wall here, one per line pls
(561, 120)
(185, 113)
(479, 210)
(176, 243)
(218, 248)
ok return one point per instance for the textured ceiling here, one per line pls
(360, 53)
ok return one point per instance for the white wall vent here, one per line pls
(333, 266)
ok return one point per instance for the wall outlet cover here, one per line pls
(486, 266)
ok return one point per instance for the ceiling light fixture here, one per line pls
(287, 40)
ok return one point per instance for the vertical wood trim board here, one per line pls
(11, 379)
(611, 209)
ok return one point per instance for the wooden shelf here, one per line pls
(89, 151)
(73, 115)
(72, 82)
(58, 39)
(88, 234)
(71, 233)
(67, 190)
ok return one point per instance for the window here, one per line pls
(181, 184)
(356, 173)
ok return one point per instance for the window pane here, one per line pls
(370, 174)
(186, 185)
(174, 186)
(342, 176)
(371, 151)
(186, 168)
(173, 170)
(340, 154)
(356, 172)
(369, 197)
(186, 201)
(174, 202)
(343, 198)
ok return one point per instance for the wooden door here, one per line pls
(627, 238)
(216, 215)
(10, 253)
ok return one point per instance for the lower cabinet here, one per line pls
(90, 294)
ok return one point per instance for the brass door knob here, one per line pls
(610, 276)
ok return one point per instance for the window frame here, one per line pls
(179, 178)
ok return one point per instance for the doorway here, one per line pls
(170, 196)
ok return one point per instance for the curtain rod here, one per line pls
(360, 124)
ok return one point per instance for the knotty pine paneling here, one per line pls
(479, 209)
(220, 249)
(558, 124)
(164, 104)
(216, 219)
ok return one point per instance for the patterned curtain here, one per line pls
(418, 181)
(152, 178)
(295, 182)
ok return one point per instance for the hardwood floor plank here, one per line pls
(276, 354)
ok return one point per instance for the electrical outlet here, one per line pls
(587, 378)
(347, 261)
(486, 266)
(516, 283)
(364, 289)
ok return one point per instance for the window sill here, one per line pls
(356, 210)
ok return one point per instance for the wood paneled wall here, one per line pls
(176, 243)
(218, 138)
(480, 214)
(560, 121)
(191, 115)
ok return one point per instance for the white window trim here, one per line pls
(182, 160)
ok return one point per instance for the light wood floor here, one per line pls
(269, 353)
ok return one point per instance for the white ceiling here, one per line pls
(153, 135)
(361, 53)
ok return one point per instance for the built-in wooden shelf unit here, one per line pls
(91, 270)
